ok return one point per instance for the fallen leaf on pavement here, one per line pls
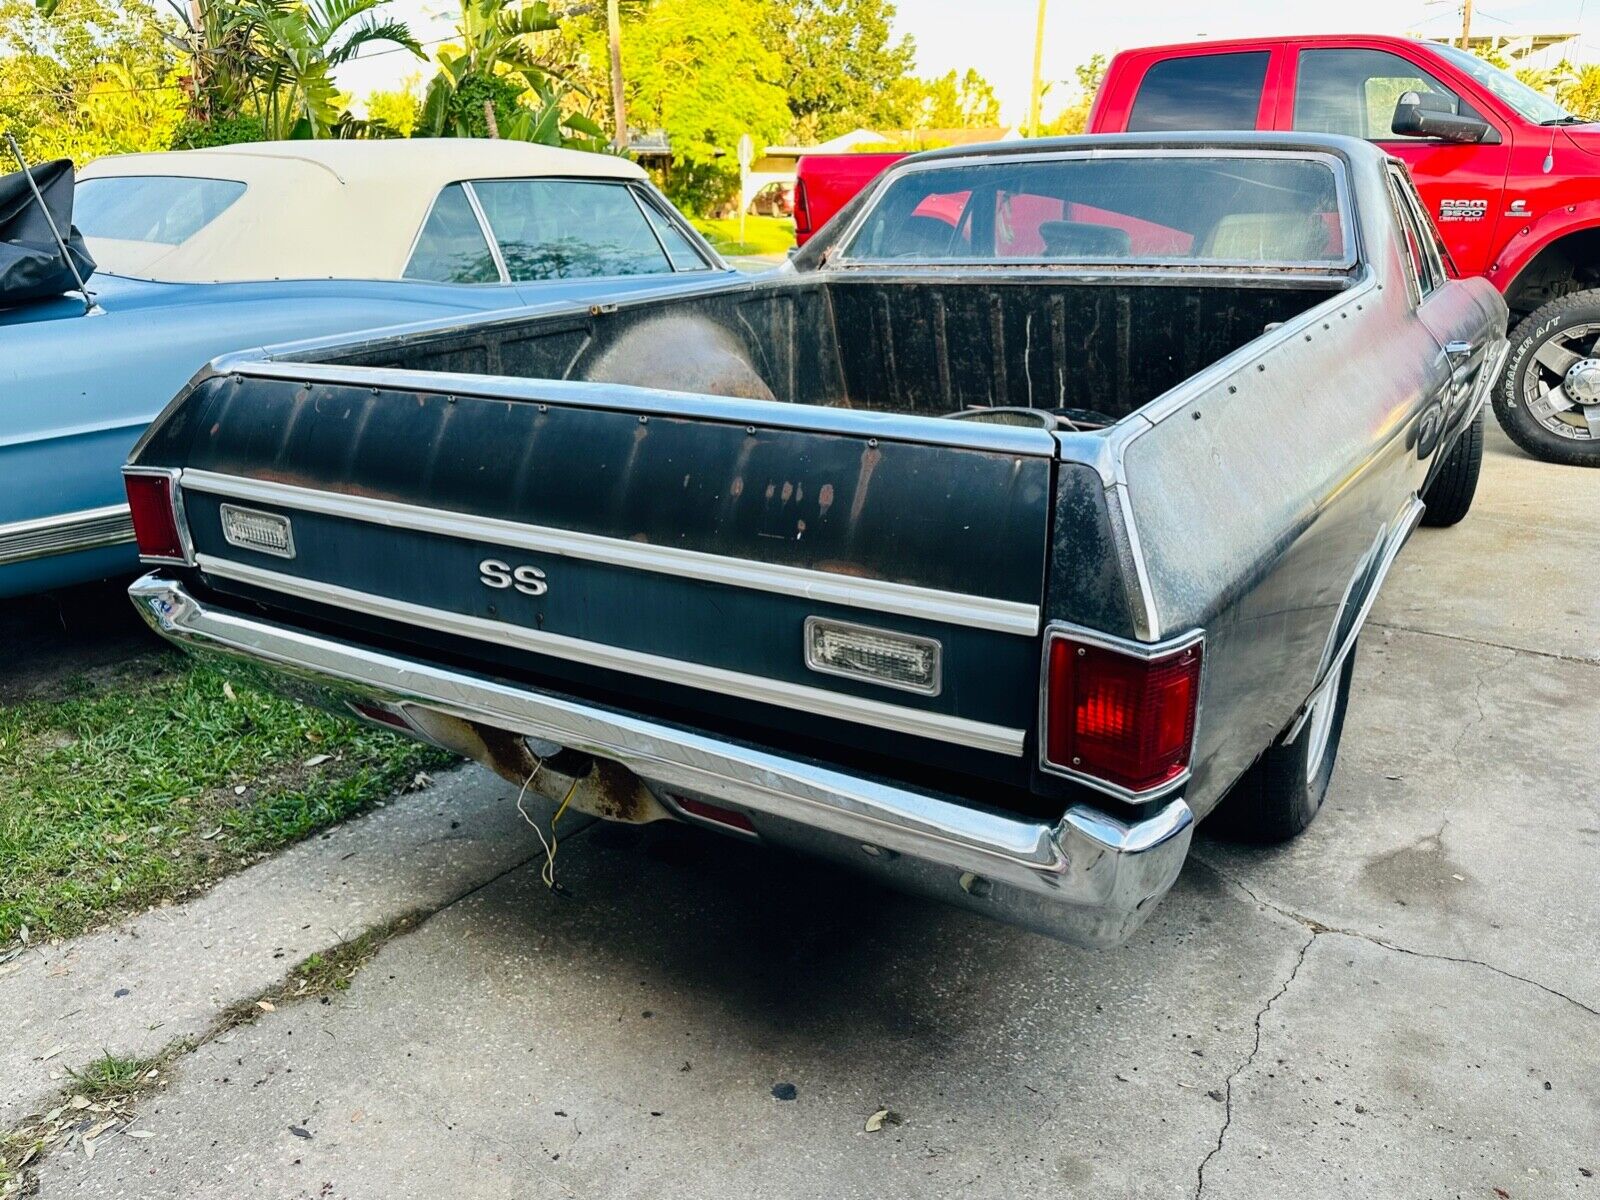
(79, 1102)
(52, 1052)
(881, 1118)
(266, 1006)
(140, 1133)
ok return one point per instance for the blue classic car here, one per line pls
(206, 251)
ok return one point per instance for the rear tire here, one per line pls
(1556, 338)
(1282, 793)
(1449, 494)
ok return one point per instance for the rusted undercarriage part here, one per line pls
(604, 789)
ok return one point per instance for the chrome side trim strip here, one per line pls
(907, 600)
(958, 730)
(65, 533)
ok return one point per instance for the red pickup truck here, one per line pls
(1510, 178)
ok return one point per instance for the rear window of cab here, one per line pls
(1106, 208)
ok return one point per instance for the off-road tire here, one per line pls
(1449, 494)
(1279, 795)
(1521, 426)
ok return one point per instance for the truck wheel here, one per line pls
(1449, 494)
(1548, 398)
(1278, 797)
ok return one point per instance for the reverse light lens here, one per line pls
(897, 660)
(155, 516)
(263, 532)
(1119, 717)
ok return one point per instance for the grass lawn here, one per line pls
(139, 787)
(763, 235)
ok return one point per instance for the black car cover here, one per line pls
(31, 265)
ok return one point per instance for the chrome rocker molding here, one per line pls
(929, 604)
(1090, 878)
(65, 533)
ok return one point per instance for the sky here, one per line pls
(996, 36)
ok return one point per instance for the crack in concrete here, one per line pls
(1249, 1059)
(1319, 927)
(1456, 637)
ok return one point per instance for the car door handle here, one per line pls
(1458, 352)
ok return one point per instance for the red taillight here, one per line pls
(1120, 717)
(155, 516)
(802, 211)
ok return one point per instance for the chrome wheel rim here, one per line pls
(1561, 388)
(1319, 727)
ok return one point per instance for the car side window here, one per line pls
(678, 247)
(1354, 92)
(1425, 268)
(451, 247)
(569, 229)
(1201, 91)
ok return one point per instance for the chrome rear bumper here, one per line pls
(1090, 879)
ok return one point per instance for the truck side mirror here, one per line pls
(1426, 114)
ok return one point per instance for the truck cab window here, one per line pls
(1354, 92)
(1201, 91)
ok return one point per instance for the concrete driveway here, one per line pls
(1403, 1004)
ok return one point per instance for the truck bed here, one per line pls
(1095, 350)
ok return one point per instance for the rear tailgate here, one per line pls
(671, 547)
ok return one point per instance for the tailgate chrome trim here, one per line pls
(824, 587)
(960, 731)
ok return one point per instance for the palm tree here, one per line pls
(299, 43)
(501, 74)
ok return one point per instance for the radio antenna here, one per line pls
(61, 244)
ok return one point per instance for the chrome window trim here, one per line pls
(908, 600)
(488, 232)
(65, 533)
(978, 735)
(645, 193)
(839, 257)
(1057, 630)
(180, 518)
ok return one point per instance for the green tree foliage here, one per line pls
(703, 71)
(394, 113)
(1579, 91)
(842, 66)
(94, 78)
(1075, 117)
(952, 102)
(505, 77)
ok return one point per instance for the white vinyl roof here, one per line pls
(325, 209)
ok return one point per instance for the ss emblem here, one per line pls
(530, 581)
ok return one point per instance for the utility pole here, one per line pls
(1038, 55)
(1466, 23)
(619, 112)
